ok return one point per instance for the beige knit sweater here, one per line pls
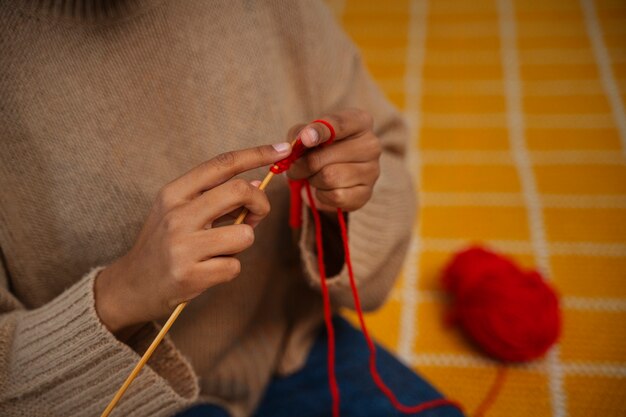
(101, 103)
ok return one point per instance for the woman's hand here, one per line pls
(343, 174)
(178, 253)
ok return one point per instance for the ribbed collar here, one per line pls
(88, 10)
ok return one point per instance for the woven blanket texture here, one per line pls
(518, 142)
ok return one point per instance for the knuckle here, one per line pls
(165, 197)
(371, 145)
(240, 187)
(180, 273)
(226, 159)
(341, 122)
(172, 221)
(376, 146)
(232, 268)
(336, 197)
(175, 249)
(366, 119)
(329, 176)
(261, 153)
(314, 161)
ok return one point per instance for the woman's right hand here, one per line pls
(178, 254)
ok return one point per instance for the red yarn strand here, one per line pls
(295, 203)
(332, 378)
(295, 221)
(297, 150)
(330, 128)
(493, 392)
(370, 344)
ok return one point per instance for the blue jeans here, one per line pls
(306, 393)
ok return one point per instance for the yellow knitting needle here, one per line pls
(166, 327)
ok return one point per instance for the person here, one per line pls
(133, 131)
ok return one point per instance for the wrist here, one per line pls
(107, 300)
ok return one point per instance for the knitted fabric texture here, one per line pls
(102, 104)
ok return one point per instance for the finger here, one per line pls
(222, 200)
(250, 218)
(318, 204)
(229, 218)
(226, 219)
(219, 241)
(294, 131)
(362, 149)
(347, 123)
(215, 271)
(348, 199)
(218, 170)
(345, 175)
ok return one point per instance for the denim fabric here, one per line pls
(306, 393)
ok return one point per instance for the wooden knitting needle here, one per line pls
(166, 327)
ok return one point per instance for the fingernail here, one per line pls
(281, 147)
(310, 136)
(255, 183)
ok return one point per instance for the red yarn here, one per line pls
(511, 314)
(297, 150)
(330, 128)
(370, 344)
(332, 378)
(295, 186)
(295, 203)
(295, 221)
(492, 394)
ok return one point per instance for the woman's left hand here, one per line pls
(343, 173)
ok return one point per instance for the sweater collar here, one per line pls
(87, 10)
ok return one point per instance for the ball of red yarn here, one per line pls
(512, 314)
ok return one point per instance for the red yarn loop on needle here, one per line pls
(295, 186)
(298, 150)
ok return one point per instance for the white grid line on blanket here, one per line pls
(606, 369)
(580, 248)
(485, 87)
(603, 60)
(516, 122)
(486, 157)
(413, 78)
(506, 199)
(600, 304)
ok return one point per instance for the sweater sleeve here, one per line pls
(59, 359)
(380, 231)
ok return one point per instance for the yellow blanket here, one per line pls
(519, 142)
